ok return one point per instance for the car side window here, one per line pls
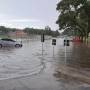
(3, 39)
(11, 40)
(8, 40)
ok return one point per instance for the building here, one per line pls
(17, 33)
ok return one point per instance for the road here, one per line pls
(27, 69)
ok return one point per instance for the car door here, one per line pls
(5, 42)
(11, 43)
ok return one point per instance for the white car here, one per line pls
(9, 42)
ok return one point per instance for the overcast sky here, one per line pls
(28, 13)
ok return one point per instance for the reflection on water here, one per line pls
(80, 55)
(16, 62)
(28, 60)
(77, 55)
(76, 63)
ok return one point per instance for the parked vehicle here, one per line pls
(9, 42)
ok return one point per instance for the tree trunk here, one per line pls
(81, 39)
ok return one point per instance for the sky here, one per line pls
(28, 13)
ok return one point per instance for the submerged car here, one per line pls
(9, 42)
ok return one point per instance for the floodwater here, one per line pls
(27, 68)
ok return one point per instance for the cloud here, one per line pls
(6, 18)
(23, 20)
(19, 20)
(22, 23)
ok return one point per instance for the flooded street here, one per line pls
(27, 69)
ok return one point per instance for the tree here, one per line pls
(73, 16)
(47, 28)
(3, 30)
(87, 10)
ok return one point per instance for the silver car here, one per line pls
(9, 42)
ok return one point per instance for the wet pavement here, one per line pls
(27, 69)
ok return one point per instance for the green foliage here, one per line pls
(4, 30)
(74, 16)
(47, 31)
(40, 31)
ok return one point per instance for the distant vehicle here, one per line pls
(9, 42)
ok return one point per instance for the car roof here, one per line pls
(7, 39)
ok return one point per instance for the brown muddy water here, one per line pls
(27, 69)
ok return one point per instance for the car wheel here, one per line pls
(0, 45)
(17, 45)
(21, 45)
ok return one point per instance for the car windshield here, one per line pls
(6, 39)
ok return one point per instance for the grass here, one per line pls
(3, 36)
